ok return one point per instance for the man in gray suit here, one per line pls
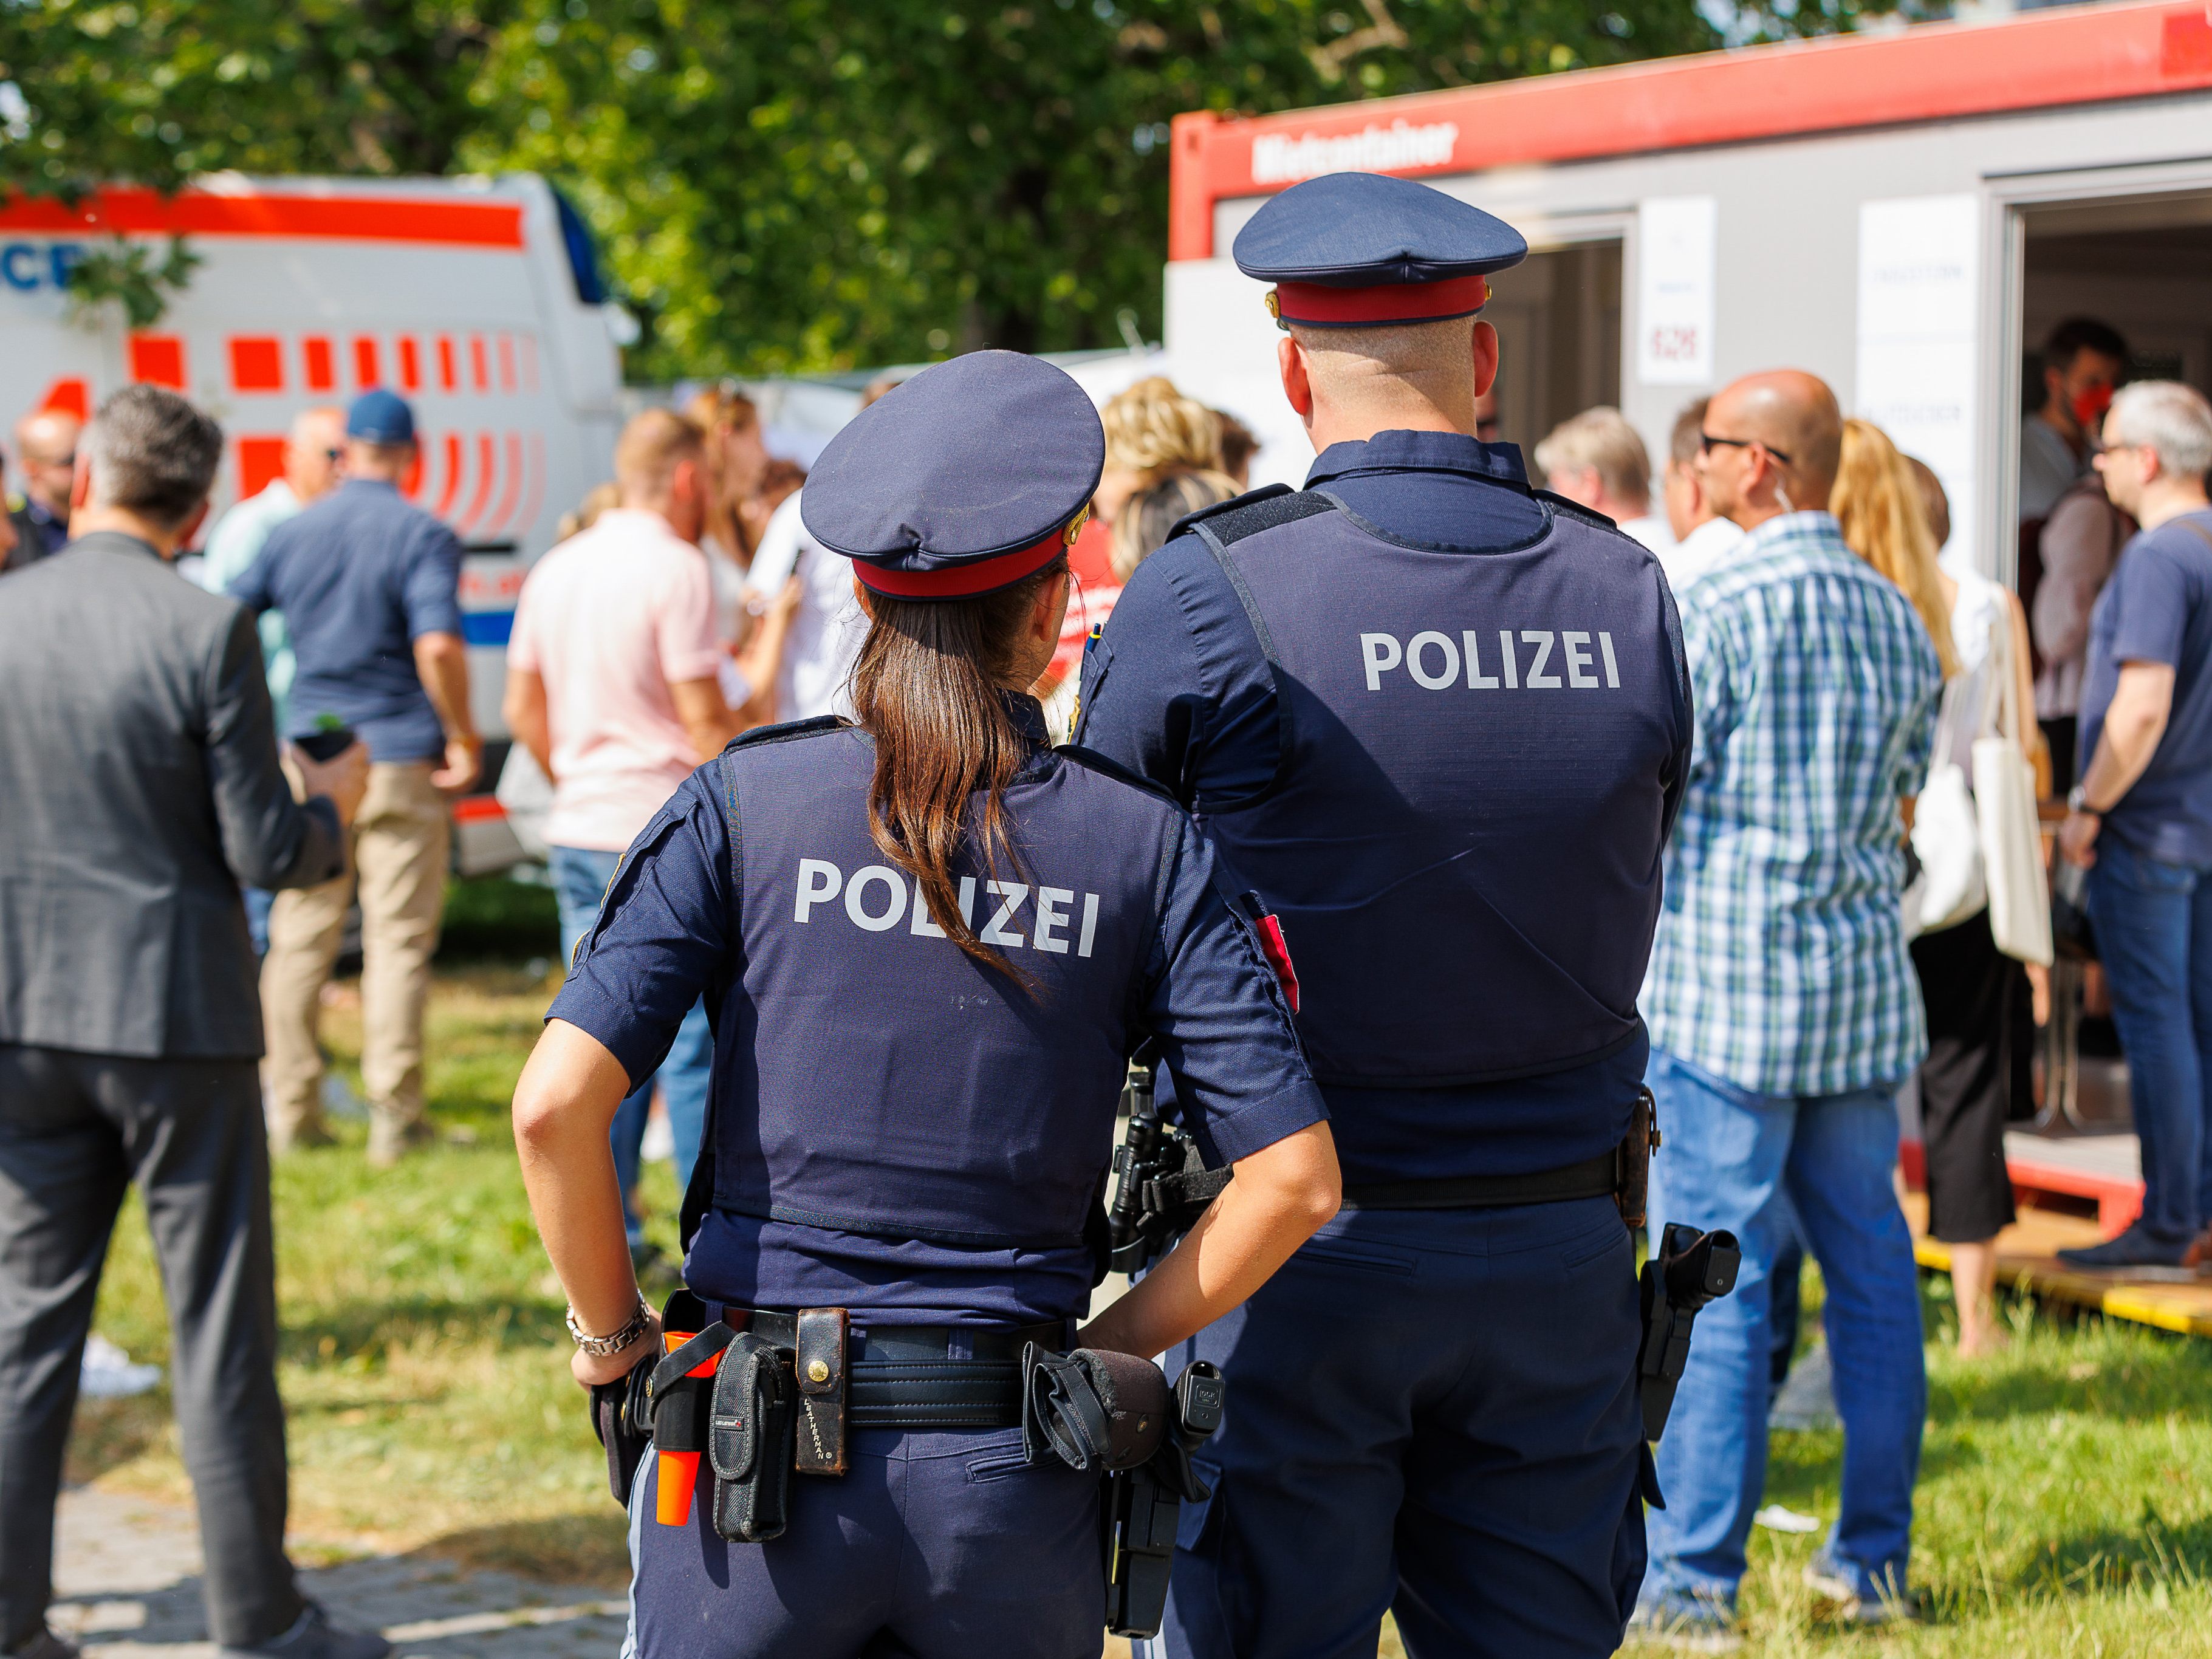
(141, 784)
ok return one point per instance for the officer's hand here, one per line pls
(592, 1370)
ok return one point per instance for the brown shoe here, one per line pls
(313, 1133)
(2199, 1253)
(389, 1141)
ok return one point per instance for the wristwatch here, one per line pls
(615, 1341)
(2078, 802)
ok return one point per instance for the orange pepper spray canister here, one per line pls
(678, 1470)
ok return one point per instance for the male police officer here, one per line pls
(1440, 721)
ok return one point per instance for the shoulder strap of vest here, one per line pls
(1091, 761)
(1232, 520)
(699, 1196)
(1560, 504)
(787, 732)
(1222, 527)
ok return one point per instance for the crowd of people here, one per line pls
(176, 899)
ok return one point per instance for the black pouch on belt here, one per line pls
(674, 1402)
(622, 1416)
(818, 1365)
(749, 1441)
(1096, 1411)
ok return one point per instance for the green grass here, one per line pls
(2064, 1508)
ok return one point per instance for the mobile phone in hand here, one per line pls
(325, 743)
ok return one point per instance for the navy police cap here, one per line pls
(972, 475)
(1352, 250)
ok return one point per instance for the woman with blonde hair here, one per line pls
(1153, 433)
(1971, 1080)
(736, 463)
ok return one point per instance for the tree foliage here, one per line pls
(783, 185)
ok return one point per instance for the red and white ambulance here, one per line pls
(476, 298)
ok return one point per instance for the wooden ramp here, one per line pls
(2027, 1254)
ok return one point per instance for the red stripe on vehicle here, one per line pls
(129, 212)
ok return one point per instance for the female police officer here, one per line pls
(927, 942)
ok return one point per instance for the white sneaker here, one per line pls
(1825, 1579)
(108, 1374)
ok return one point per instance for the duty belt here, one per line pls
(925, 1376)
(1593, 1177)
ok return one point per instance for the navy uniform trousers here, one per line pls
(934, 1544)
(1409, 1429)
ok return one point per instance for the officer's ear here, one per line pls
(1050, 613)
(1297, 384)
(1485, 358)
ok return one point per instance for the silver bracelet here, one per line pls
(600, 1347)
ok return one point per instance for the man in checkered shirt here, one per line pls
(1782, 1006)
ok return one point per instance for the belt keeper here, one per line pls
(819, 1363)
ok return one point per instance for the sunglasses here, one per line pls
(1706, 442)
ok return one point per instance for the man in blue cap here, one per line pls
(369, 587)
(1440, 721)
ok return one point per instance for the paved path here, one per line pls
(127, 1585)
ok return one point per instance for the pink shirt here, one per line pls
(608, 621)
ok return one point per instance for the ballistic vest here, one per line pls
(1462, 838)
(880, 1081)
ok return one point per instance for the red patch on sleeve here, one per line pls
(1278, 959)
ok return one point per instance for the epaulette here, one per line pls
(1091, 761)
(787, 732)
(1255, 510)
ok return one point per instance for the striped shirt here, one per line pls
(1780, 963)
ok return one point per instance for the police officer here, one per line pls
(926, 943)
(1440, 719)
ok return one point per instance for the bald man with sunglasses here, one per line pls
(1782, 1007)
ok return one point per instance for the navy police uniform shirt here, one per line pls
(1441, 723)
(894, 1127)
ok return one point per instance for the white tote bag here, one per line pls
(1945, 836)
(2004, 795)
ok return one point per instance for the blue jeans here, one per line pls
(2155, 933)
(580, 875)
(257, 901)
(1740, 1160)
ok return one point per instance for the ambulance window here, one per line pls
(583, 253)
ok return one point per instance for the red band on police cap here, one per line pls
(1389, 302)
(959, 580)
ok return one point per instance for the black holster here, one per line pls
(749, 1440)
(1688, 1270)
(1113, 1415)
(1161, 1183)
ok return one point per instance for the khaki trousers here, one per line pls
(396, 858)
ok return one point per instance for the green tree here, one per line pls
(784, 185)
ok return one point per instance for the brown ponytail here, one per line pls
(928, 688)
